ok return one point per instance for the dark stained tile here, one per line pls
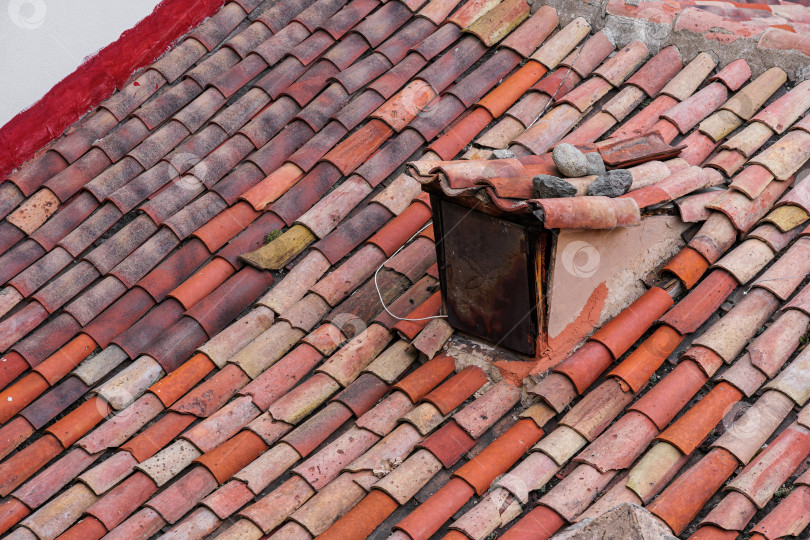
(72, 146)
(65, 220)
(352, 231)
(395, 78)
(20, 323)
(311, 82)
(137, 264)
(397, 46)
(33, 175)
(390, 157)
(318, 112)
(345, 53)
(54, 402)
(316, 147)
(69, 181)
(217, 309)
(306, 192)
(123, 139)
(116, 248)
(341, 22)
(47, 339)
(174, 63)
(95, 299)
(217, 28)
(230, 82)
(177, 344)
(176, 268)
(234, 116)
(156, 111)
(270, 121)
(274, 49)
(249, 38)
(282, 13)
(39, 272)
(160, 143)
(119, 316)
(9, 236)
(59, 291)
(122, 103)
(137, 337)
(142, 186)
(194, 215)
(362, 394)
(243, 177)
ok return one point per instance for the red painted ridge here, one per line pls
(97, 78)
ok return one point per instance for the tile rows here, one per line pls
(134, 405)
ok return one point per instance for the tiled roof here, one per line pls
(193, 335)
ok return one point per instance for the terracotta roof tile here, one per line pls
(786, 519)
(157, 435)
(12, 511)
(109, 472)
(226, 500)
(145, 522)
(21, 323)
(52, 479)
(25, 463)
(310, 434)
(113, 433)
(54, 402)
(382, 418)
(271, 511)
(701, 302)
(621, 445)
(500, 455)
(746, 436)
(53, 518)
(397, 444)
(772, 467)
(679, 503)
(576, 491)
(790, 380)
(258, 474)
(122, 500)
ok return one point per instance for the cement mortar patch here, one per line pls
(651, 28)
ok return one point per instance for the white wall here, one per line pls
(43, 41)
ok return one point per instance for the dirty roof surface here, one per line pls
(156, 384)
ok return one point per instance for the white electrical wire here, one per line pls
(379, 294)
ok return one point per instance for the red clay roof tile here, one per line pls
(13, 433)
(746, 436)
(700, 303)
(783, 112)
(744, 212)
(682, 500)
(111, 433)
(786, 519)
(226, 500)
(176, 344)
(21, 323)
(228, 458)
(11, 512)
(773, 466)
(22, 465)
(500, 455)
(325, 465)
(145, 522)
(32, 176)
(47, 339)
(696, 423)
(448, 443)
(21, 256)
(122, 500)
(457, 389)
(54, 402)
(364, 517)
(315, 430)
(157, 435)
(427, 376)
